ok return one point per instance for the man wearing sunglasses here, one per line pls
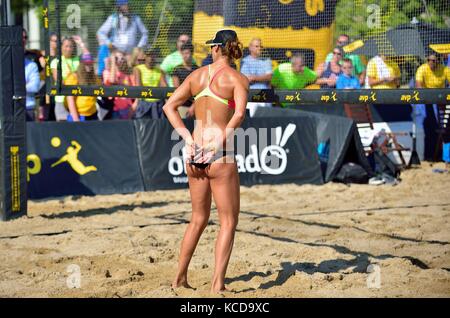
(431, 74)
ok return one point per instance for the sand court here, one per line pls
(292, 241)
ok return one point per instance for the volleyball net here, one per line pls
(319, 51)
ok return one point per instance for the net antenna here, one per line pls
(161, 17)
(5, 9)
(426, 8)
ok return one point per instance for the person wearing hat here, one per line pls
(220, 98)
(82, 107)
(123, 30)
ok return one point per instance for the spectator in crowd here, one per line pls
(46, 109)
(83, 108)
(207, 60)
(258, 71)
(382, 73)
(431, 74)
(102, 56)
(174, 59)
(358, 66)
(347, 80)
(69, 66)
(328, 72)
(293, 75)
(118, 72)
(49, 111)
(53, 38)
(137, 57)
(123, 30)
(32, 82)
(33, 55)
(181, 72)
(149, 75)
(38, 57)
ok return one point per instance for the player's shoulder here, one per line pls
(199, 71)
(239, 77)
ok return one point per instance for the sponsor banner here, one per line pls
(324, 97)
(280, 14)
(267, 150)
(286, 27)
(155, 141)
(128, 156)
(337, 140)
(380, 113)
(82, 159)
(284, 151)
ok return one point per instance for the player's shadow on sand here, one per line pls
(256, 216)
(288, 269)
(340, 249)
(358, 264)
(110, 210)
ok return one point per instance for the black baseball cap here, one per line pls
(222, 37)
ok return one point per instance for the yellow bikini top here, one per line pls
(207, 91)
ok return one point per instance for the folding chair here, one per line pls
(362, 115)
(443, 130)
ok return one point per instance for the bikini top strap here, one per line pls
(216, 73)
(209, 73)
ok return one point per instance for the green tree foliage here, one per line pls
(352, 16)
(19, 6)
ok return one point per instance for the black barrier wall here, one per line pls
(13, 186)
(128, 156)
(82, 159)
(276, 150)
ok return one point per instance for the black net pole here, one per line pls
(4, 13)
(13, 168)
(45, 23)
(59, 53)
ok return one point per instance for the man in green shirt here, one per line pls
(359, 69)
(174, 59)
(293, 75)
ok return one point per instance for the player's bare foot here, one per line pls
(219, 290)
(181, 283)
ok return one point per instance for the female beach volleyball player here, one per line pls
(220, 94)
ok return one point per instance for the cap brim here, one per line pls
(211, 43)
